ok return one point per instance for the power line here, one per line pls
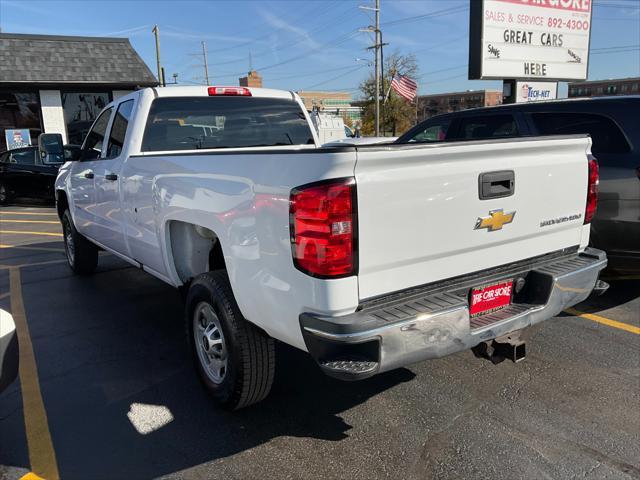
(415, 18)
(334, 78)
(343, 18)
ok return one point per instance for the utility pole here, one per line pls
(377, 47)
(156, 31)
(377, 67)
(206, 67)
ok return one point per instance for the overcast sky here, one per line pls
(302, 45)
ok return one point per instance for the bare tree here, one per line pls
(398, 113)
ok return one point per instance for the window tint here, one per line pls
(4, 157)
(606, 136)
(119, 129)
(186, 123)
(432, 133)
(24, 157)
(95, 138)
(487, 126)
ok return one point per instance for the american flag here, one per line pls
(405, 87)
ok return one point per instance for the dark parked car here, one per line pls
(614, 126)
(24, 172)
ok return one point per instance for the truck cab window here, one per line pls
(119, 129)
(95, 138)
(189, 123)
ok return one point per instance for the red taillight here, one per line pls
(592, 190)
(322, 220)
(237, 91)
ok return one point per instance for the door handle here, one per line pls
(88, 175)
(111, 176)
(496, 184)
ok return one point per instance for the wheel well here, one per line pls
(61, 202)
(194, 249)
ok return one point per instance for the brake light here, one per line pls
(234, 91)
(323, 227)
(592, 190)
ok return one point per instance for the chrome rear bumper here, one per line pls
(434, 321)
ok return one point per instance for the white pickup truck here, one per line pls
(369, 257)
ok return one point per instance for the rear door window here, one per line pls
(606, 135)
(189, 123)
(486, 127)
(119, 129)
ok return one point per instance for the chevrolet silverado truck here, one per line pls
(368, 257)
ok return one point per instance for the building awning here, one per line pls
(42, 60)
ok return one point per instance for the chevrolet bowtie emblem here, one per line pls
(495, 220)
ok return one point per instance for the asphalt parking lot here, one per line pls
(106, 391)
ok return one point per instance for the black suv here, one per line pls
(614, 126)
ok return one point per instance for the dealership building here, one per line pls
(58, 84)
(430, 105)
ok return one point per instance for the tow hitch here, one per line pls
(509, 346)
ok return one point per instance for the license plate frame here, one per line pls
(489, 302)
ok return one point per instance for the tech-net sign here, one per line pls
(529, 39)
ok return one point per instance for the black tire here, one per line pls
(5, 194)
(82, 255)
(249, 354)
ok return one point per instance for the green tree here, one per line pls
(396, 114)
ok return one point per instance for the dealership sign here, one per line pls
(535, 91)
(529, 39)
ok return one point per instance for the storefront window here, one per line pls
(19, 110)
(80, 110)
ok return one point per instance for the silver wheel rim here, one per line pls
(209, 342)
(69, 245)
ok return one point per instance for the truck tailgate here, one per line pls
(421, 218)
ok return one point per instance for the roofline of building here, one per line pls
(627, 79)
(65, 38)
(466, 92)
(56, 85)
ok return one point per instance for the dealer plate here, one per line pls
(490, 298)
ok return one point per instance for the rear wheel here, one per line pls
(4, 194)
(82, 255)
(235, 360)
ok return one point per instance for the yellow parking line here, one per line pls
(28, 213)
(34, 264)
(42, 456)
(51, 222)
(50, 234)
(605, 321)
(37, 249)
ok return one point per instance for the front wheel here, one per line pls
(82, 255)
(235, 360)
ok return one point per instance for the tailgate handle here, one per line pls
(496, 184)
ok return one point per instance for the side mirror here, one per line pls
(51, 148)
